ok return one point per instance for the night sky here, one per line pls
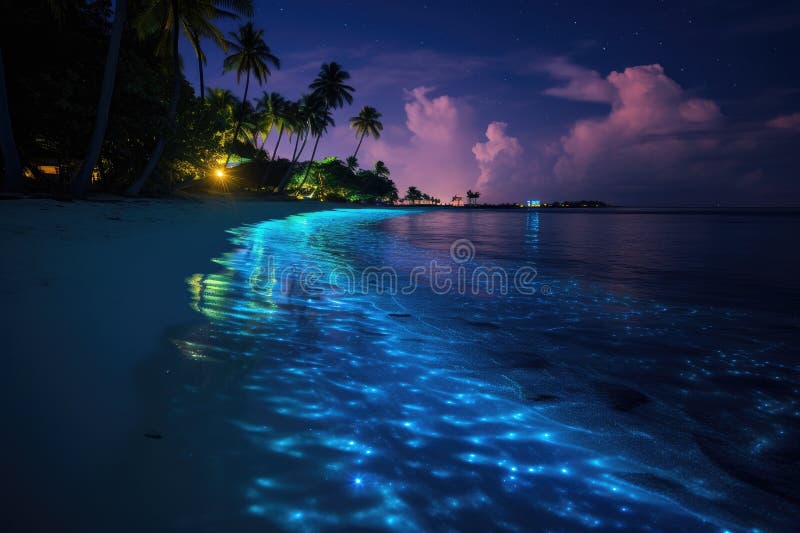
(641, 103)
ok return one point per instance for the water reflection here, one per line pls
(532, 231)
(415, 412)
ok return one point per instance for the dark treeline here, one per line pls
(100, 104)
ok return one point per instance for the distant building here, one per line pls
(533, 203)
(457, 201)
(55, 171)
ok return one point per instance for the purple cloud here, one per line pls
(654, 132)
(581, 83)
(499, 159)
(431, 151)
(787, 122)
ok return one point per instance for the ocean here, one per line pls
(471, 369)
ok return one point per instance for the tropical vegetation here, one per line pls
(101, 104)
(414, 196)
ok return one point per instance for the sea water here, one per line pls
(486, 370)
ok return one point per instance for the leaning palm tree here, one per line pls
(8, 145)
(366, 123)
(199, 24)
(250, 56)
(319, 118)
(330, 88)
(84, 174)
(268, 109)
(284, 118)
(298, 124)
(250, 128)
(167, 17)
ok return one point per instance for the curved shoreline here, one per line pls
(88, 290)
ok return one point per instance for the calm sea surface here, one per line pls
(393, 369)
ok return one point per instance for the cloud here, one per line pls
(789, 122)
(386, 71)
(433, 120)
(655, 132)
(432, 152)
(581, 83)
(656, 142)
(499, 159)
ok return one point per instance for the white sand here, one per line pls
(87, 292)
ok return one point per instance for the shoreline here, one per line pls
(71, 379)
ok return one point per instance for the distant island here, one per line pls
(574, 204)
(415, 197)
(581, 204)
(578, 203)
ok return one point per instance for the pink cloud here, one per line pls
(497, 143)
(433, 120)
(699, 110)
(785, 121)
(652, 130)
(581, 83)
(432, 152)
(498, 159)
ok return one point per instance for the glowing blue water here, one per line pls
(637, 393)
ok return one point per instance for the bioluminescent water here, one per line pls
(647, 380)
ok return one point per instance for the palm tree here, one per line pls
(352, 163)
(330, 88)
(366, 123)
(285, 116)
(251, 55)
(381, 169)
(222, 99)
(282, 118)
(167, 17)
(297, 122)
(319, 118)
(200, 24)
(268, 111)
(329, 91)
(81, 178)
(250, 128)
(8, 145)
(413, 195)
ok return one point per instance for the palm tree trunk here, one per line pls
(13, 182)
(195, 40)
(280, 134)
(359, 143)
(295, 157)
(136, 186)
(202, 82)
(84, 174)
(264, 137)
(241, 115)
(310, 162)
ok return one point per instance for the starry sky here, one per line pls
(638, 103)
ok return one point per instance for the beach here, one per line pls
(89, 290)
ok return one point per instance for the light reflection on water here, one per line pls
(477, 412)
